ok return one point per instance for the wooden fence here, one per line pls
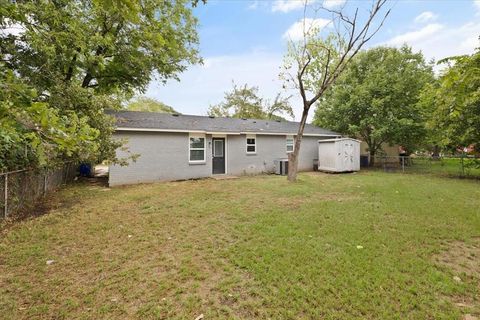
(21, 190)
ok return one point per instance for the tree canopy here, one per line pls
(34, 135)
(453, 103)
(245, 102)
(79, 58)
(376, 98)
(148, 104)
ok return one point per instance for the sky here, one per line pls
(244, 41)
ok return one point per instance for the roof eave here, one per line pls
(224, 132)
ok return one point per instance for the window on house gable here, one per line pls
(251, 144)
(197, 149)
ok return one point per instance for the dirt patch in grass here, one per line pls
(461, 257)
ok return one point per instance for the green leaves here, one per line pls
(33, 134)
(147, 104)
(245, 102)
(71, 60)
(103, 46)
(453, 102)
(376, 98)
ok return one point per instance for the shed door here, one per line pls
(348, 156)
(218, 155)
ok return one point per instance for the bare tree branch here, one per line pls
(320, 62)
(355, 43)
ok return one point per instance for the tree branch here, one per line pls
(330, 65)
(355, 43)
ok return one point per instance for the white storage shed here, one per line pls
(339, 155)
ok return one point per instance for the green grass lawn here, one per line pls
(370, 245)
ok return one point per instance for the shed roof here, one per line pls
(338, 139)
(154, 121)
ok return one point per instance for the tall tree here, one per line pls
(82, 57)
(453, 102)
(148, 104)
(313, 64)
(245, 102)
(279, 107)
(376, 98)
(34, 135)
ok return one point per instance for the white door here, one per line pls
(348, 154)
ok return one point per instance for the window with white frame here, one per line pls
(251, 144)
(290, 143)
(197, 148)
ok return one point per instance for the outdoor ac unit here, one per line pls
(281, 166)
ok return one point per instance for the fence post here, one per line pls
(403, 163)
(5, 197)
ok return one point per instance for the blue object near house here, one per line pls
(85, 170)
(364, 161)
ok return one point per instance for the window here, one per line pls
(218, 148)
(251, 144)
(197, 149)
(290, 144)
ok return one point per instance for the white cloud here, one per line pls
(253, 5)
(476, 3)
(330, 4)
(296, 30)
(426, 16)
(288, 5)
(439, 41)
(417, 35)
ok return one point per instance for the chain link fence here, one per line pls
(21, 190)
(467, 167)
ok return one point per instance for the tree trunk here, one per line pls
(69, 74)
(86, 80)
(436, 152)
(371, 163)
(292, 166)
(293, 156)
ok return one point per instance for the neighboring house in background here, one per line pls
(177, 147)
(386, 150)
(391, 152)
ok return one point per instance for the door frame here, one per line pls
(224, 136)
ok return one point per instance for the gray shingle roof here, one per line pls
(165, 122)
